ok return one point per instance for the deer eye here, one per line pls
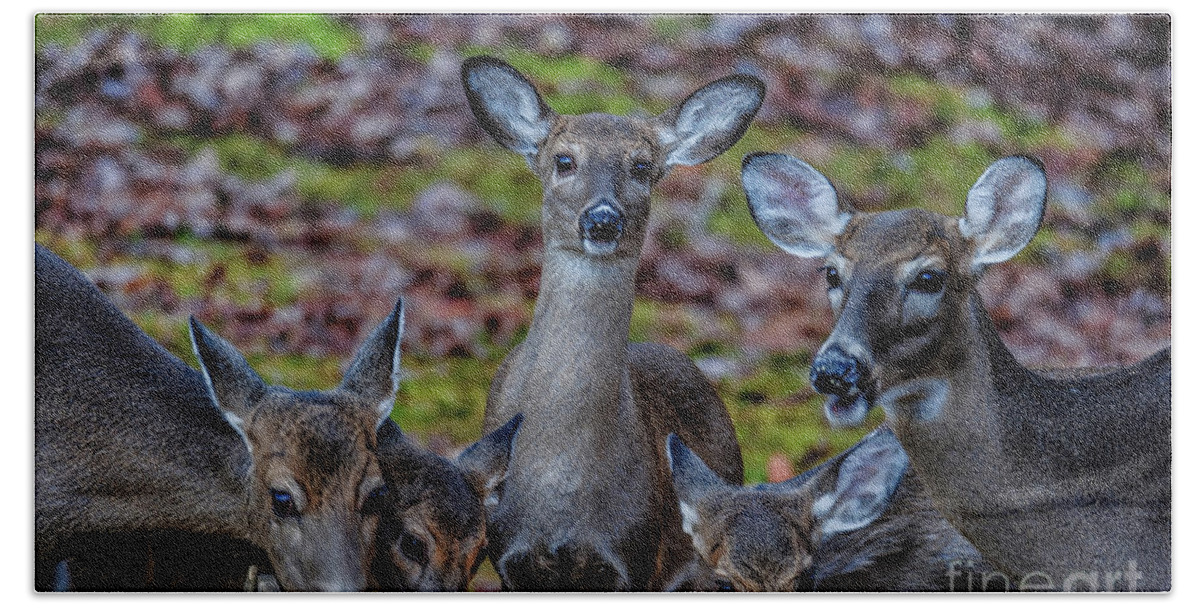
(929, 281)
(832, 278)
(413, 548)
(283, 504)
(642, 170)
(564, 164)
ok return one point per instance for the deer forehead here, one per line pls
(762, 530)
(602, 136)
(320, 445)
(900, 241)
(751, 515)
(453, 548)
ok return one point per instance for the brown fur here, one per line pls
(433, 536)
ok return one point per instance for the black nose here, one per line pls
(601, 222)
(835, 373)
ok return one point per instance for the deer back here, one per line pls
(125, 434)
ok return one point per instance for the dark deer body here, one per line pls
(131, 441)
(162, 561)
(861, 521)
(1062, 480)
(588, 503)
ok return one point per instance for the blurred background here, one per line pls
(286, 177)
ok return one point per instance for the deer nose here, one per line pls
(601, 222)
(835, 373)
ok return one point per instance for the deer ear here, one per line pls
(232, 385)
(486, 460)
(866, 480)
(710, 120)
(506, 105)
(692, 478)
(374, 374)
(1004, 209)
(793, 204)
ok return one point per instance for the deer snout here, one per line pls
(843, 376)
(601, 226)
(834, 372)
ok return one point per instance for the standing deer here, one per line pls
(131, 440)
(588, 502)
(861, 521)
(1063, 481)
(432, 536)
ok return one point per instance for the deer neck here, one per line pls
(576, 351)
(959, 451)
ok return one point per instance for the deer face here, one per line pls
(899, 282)
(433, 536)
(597, 169)
(753, 541)
(769, 537)
(315, 489)
(317, 476)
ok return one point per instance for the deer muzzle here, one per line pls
(840, 375)
(601, 227)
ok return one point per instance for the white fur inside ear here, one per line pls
(793, 204)
(715, 111)
(238, 425)
(208, 384)
(848, 517)
(491, 497)
(1004, 209)
(514, 105)
(690, 517)
(396, 352)
(920, 400)
(389, 403)
(384, 409)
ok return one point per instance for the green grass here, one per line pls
(325, 35)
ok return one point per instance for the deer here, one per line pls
(861, 521)
(131, 440)
(433, 533)
(1062, 480)
(587, 502)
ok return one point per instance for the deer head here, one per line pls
(316, 488)
(433, 537)
(597, 169)
(771, 537)
(901, 283)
